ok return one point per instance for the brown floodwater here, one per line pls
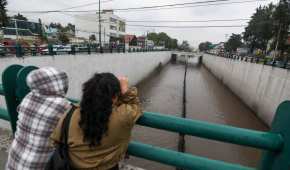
(207, 99)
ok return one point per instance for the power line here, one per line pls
(84, 5)
(195, 26)
(193, 6)
(169, 5)
(63, 9)
(158, 7)
(176, 21)
(167, 21)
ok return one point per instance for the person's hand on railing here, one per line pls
(124, 83)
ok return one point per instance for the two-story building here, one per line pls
(113, 28)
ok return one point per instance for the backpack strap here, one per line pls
(65, 129)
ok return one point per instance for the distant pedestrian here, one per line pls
(100, 128)
(39, 113)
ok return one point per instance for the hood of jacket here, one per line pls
(48, 81)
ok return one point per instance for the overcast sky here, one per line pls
(194, 36)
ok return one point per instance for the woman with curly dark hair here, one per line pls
(100, 128)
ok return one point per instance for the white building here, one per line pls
(112, 26)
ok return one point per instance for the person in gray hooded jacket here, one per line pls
(39, 113)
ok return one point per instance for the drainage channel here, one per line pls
(181, 140)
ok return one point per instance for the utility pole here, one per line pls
(16, 29)
(277, 43)
(104, 35)
(100, 27)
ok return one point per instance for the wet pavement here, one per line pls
(207, 99)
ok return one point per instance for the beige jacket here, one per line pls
(113, 145)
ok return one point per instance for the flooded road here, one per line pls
(207, 99)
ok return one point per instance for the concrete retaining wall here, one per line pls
(80, 67)
(261, 87)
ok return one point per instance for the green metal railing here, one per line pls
(1, 90)
(275, 144)
(19, 50)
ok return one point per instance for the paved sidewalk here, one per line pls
(5, 141)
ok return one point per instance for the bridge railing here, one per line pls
(50, 49)
(275, 144)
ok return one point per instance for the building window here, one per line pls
(122, 26)
(113, 20)
(113, 27)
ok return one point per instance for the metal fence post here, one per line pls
(89, 49)
(50, 49)
(73, 49)
(18, 50)
(279, 160)
(33, 50)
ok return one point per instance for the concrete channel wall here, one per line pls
(80, 67)
(261, 87)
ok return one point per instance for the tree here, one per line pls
(161, 39)
(173, 44)
(58, 26)
(204, 46)
(281, 17)
(3, 13)
(20, 17)
(70, 28)
(184, 46)
(233, 43)
(92, 37)
(63, 38)
(260, 28)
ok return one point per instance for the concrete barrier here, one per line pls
(261, 87)
(80, 67)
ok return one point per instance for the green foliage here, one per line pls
(260, 28)
(269, 22)
(3, 13)
(69, 28)
(234, 42)
(92, 37)
(161, 39)
(281, 16)
(184, 46)
(64, 32)
(63, 37)
(204, 46)
(20, 17)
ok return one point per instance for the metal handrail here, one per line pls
(219, 132)
(275, 142)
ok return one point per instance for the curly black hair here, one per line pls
(96, 106)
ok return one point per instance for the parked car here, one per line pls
(57, 49)
(63, 49)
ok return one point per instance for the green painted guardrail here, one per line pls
(1, 90)
(275, 144)
(177, 159)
